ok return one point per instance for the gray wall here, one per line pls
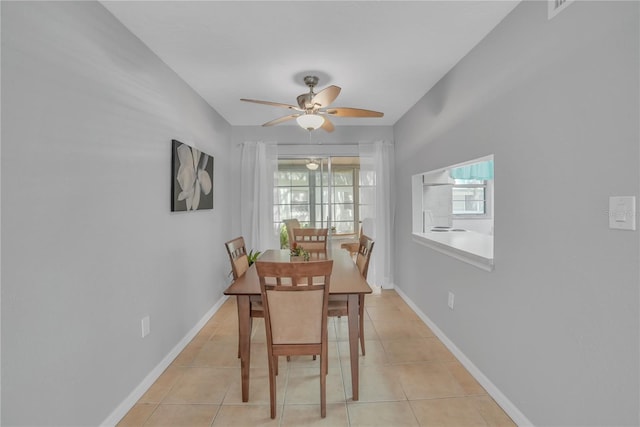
(555, 327)
(88, 242)
(89, 245)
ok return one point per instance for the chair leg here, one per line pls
(323, 385)
(326, 364)
(272, 385)
(361, 316)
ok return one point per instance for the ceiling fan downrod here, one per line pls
(311, 81)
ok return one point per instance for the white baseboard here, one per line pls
(121, 410)
(516, 415)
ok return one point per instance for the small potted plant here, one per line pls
(298, 253)
(253, 256)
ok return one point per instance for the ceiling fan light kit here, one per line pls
(312, 112)
(312, 164)
(310, 121)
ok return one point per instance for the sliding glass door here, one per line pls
(319, 192)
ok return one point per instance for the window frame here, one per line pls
(488, 200)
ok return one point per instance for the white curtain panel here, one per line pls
(377, 176)
(258, 165)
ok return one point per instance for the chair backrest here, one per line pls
(295, 296)
(311, 239)
(364, 254)
(238, 256)
(291, 224)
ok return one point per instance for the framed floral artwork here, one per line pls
(191, 178)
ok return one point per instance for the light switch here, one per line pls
(620, 216)
(622, 212)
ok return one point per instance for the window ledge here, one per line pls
(468, 246)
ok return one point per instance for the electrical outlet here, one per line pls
(451, 299)
(146, 326)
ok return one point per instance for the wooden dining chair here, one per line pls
(352, 247)
(311, 239)
(239, 265)
(291, 224)
(338, 303)
(238, 256)
(295, 296)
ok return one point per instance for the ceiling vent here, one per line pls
(557, 6)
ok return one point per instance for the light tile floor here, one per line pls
(407, 378)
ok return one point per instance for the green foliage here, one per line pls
(299, 251)
(284, 237)
(252, 257)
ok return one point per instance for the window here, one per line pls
(470, 198)
(293, 195)
(303, 194)
(344, 198)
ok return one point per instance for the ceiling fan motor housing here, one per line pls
(304, 100)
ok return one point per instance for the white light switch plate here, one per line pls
(622, 212)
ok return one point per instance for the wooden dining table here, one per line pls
(346, 281)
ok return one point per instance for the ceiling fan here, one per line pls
(312, 111)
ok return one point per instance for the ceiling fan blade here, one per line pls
(281, 120)
(326, 96)
(273, 104)
(352, 112)
(327, 125)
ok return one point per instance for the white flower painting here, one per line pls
(192, 180)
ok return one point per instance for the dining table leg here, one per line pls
(244, 337)
(353, 321)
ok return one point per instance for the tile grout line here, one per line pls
(344, 387)
(381, 348)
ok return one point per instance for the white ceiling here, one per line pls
(385, 55)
